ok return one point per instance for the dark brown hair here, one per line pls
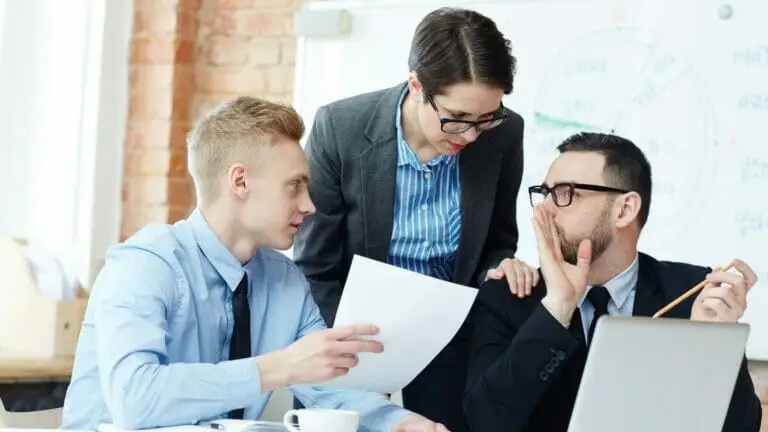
(625, 164)
(454, 45)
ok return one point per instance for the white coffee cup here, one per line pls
(322, 420)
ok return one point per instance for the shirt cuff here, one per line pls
(385, 418)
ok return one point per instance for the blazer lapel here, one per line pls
(378, 171)
(479, 168)
(649, 295)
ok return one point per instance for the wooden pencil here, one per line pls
(687, 294)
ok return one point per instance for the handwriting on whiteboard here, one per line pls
(754, 168)
(754, 101)
(752, 56)
(751, 222)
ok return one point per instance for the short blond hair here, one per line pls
(235, 131)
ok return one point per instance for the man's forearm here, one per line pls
(146, 395)
(508, 386)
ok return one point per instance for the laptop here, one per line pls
(658, 374)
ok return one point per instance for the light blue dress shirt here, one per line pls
(154, 343)
(622, 288)
(427, 221)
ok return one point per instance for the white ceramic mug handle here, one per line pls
(288, 420)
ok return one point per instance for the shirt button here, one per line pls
(427, 176)
(424, 207)
(425, 244)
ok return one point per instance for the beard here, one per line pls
(600, 238)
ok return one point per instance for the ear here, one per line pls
(237, 179)
(414, 86)
(627, 209)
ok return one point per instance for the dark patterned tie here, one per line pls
(599, 298)
(240, 344)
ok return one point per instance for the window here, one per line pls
(63, 84)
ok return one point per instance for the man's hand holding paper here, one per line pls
(330, 353)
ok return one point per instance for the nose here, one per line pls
(307, 206)
(549, 204)
(470, 134)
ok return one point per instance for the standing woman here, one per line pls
(424, 176)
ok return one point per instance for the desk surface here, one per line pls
(16, 367)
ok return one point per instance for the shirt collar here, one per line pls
(223, 261)
(620, 286)
(405, 154)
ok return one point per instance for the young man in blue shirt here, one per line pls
(202, 319)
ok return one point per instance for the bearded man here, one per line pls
(589, 214)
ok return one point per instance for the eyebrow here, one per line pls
(557, 183)
(459, 113)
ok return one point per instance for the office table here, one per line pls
(31, 382)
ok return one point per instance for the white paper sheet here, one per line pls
(417, 315)
(53, 271)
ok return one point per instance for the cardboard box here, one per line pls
(30, 321)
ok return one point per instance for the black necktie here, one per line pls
(577, 327)
(599, 298)
(240, 344)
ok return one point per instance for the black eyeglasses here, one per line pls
(451, 126)
(562, 193)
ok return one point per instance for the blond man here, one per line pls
(203, 319)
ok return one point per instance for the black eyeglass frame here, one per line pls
(479, 125)
(545, 190)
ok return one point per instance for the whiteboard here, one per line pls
(687, 80)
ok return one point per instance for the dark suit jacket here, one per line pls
(508, 388)
(352, 154)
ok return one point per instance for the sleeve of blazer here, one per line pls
(318, 248)
(745, 412)
(510, 368)
(503, 232)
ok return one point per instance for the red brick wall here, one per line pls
(187, 56)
